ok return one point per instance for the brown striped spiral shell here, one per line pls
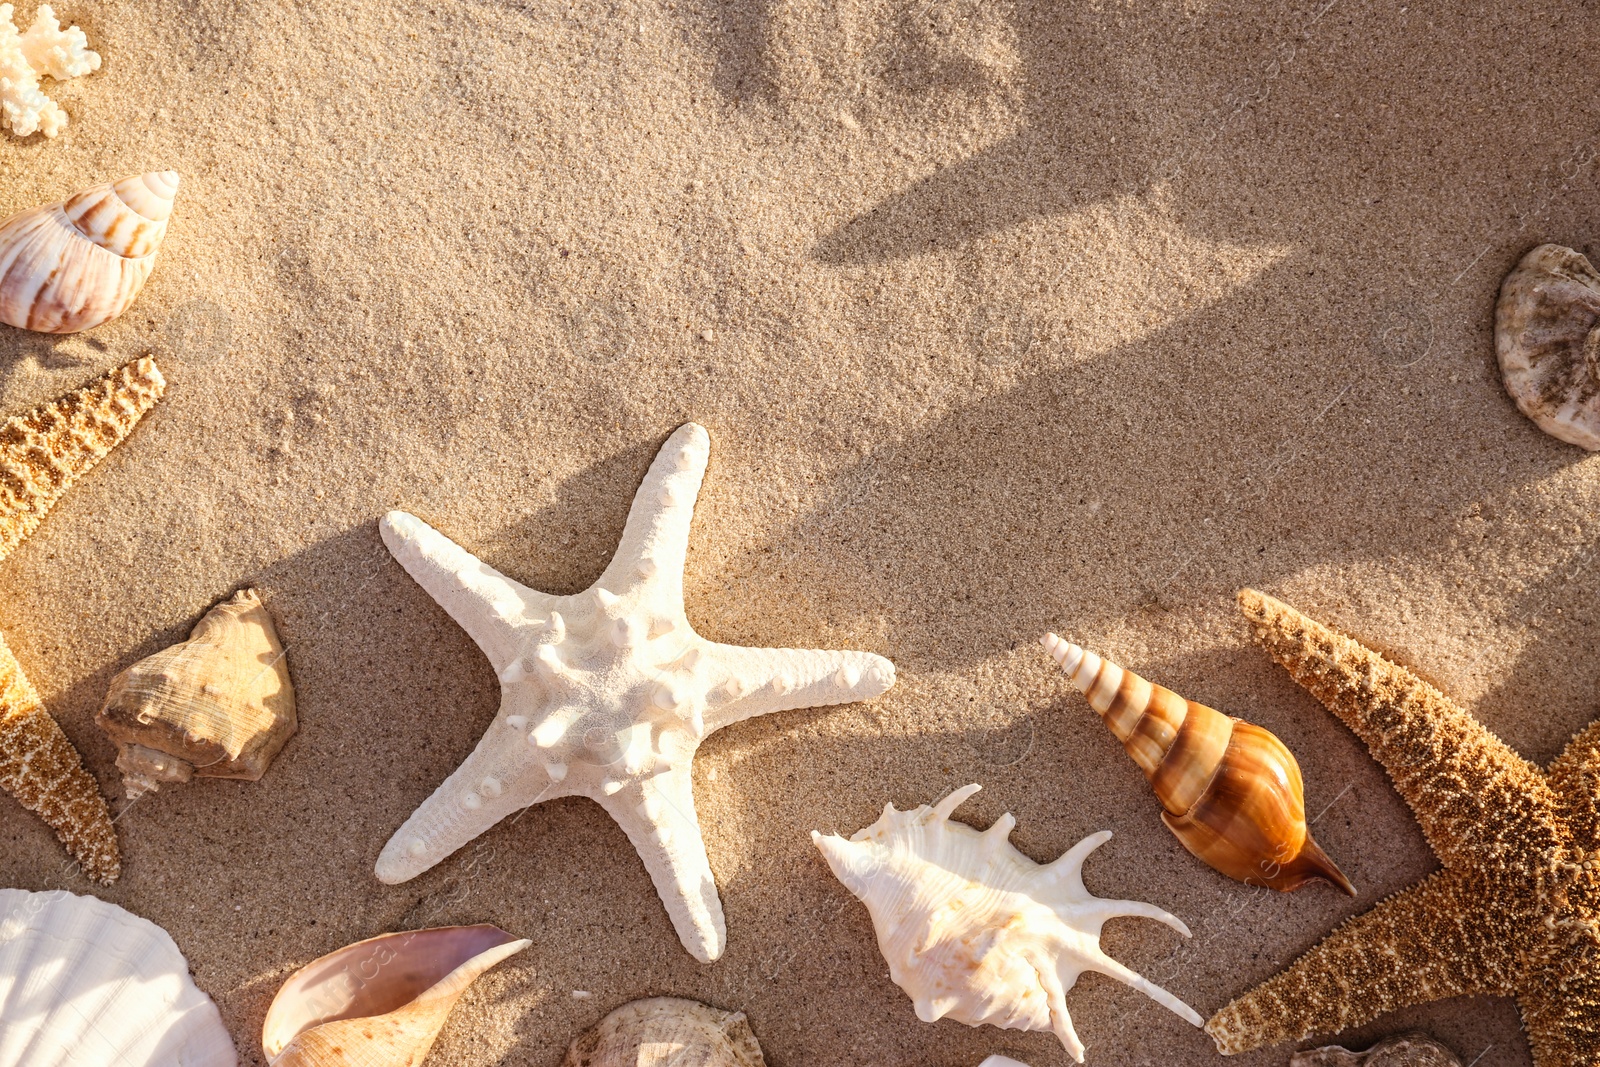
(1231, 790)
(79, 263)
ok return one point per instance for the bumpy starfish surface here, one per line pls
(1516, 909)
(42, 452)
(608, 693)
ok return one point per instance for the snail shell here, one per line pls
(1413, 1049)
(667, 1032)
(219, 705)
(1231, 790)
(1547, 338)
(379, 1002)
(73, 265)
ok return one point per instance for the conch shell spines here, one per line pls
(977, 932)
(1230, 790)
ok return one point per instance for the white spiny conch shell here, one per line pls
(379, 1002)
(1547, 338)
(84, 983)
(219, 705)
(73, 265)
(667, 1032)
(977, 932)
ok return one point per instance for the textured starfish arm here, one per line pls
(484, 602)
(489, 785)
(1562, 1011)
(760, 681)
(1476, 799)
(39, 766)
(43, 451)
(659, 818)
(1575, 776)
(1427, 943)
(655, 542)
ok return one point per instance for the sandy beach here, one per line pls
(1003, 318)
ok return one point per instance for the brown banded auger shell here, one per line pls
(379, 1002)
(75, 264)
(219, 705)
(1412, 1049)
(1547, 339)
(667, 1032)
(1230, 790)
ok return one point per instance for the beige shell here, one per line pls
(379, 1002)
(667, 1032)
(219, 705)
(73, 265)
(1547, 338)
(1412, 1049)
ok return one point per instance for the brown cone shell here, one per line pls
(1230, 790)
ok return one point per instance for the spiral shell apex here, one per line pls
(379, 1002)
(1231, 790)
(79, 263)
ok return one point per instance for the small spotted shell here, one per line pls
(79, 263)
(219, 705)
(1412, 1049)
(667, 1032)
(1547, 338)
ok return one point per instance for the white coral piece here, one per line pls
(977, 932)
(45, 48)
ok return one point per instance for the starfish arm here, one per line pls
(481, 600)
(39, 766)
(1435, 940)
(501, 777)
(1561, 1012)
(760, 681)
(655, 543)
(1575, 776)
(658, 816)
(1478, 801)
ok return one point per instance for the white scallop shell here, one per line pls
(977, 932)
(76, 264)
(85, 984)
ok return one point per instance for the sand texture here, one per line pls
(1004, 317)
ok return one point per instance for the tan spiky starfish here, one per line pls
(1516, 909)
(42, 452)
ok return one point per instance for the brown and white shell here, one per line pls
(1413, 1049)
(1547, 338)
(219, 705)
(667, 1032)
(75, 264)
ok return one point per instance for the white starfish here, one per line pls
(608, 693)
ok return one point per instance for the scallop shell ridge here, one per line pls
(103, 964)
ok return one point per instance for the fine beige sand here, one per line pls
(1003, 317)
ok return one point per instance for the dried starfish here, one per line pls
(608, 693)
(42, 452)
(1516, 909)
